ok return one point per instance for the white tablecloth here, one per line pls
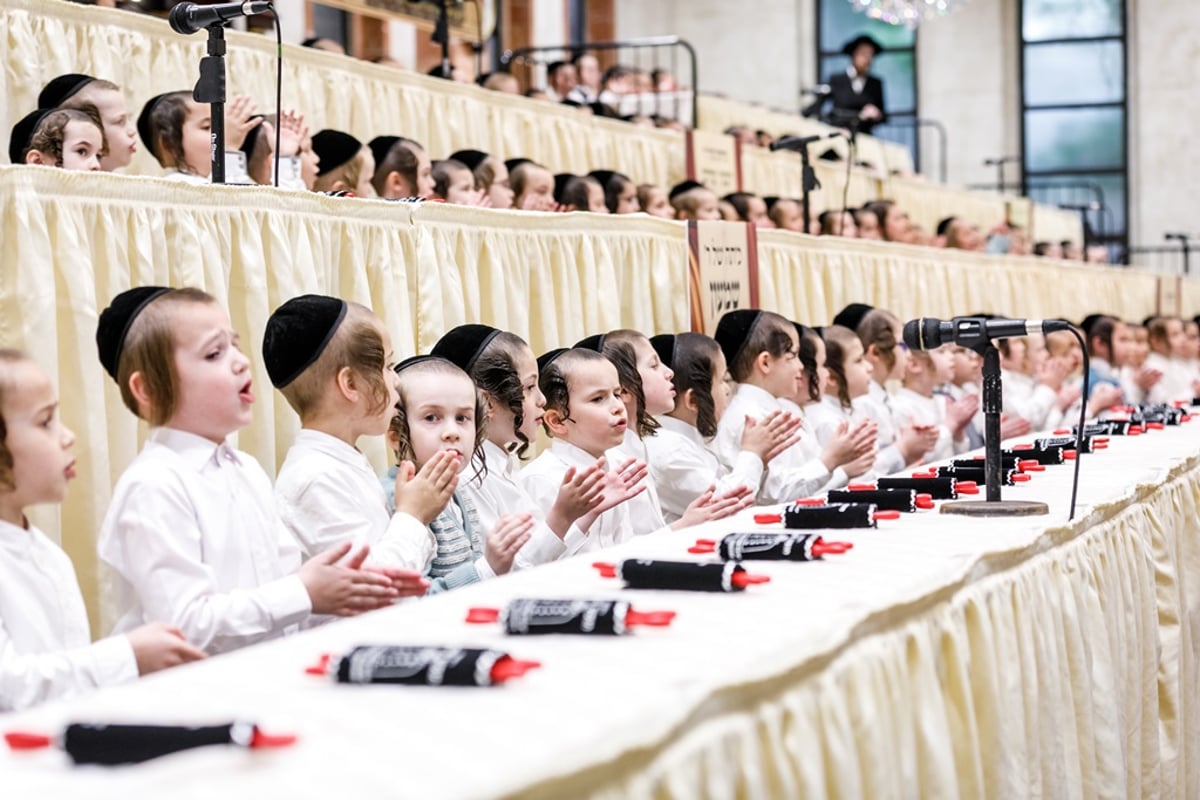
(941, 657)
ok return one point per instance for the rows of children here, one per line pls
(83, 123)
(647, 434)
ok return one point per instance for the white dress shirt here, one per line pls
(542, 477)
(790, 475)
(683, 467)
(45, 649)
(1025, 398)
(1176, 380)
(327, 493)
(811, 445)
(499, 491)
(913, 408)
(857, 82)
(645, 510)
(195, 541)
(876, 405)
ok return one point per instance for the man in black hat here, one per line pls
(857, 95)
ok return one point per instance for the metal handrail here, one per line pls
(924, 122)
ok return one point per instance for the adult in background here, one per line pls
(856, 94)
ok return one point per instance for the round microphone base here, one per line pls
(1000, 508)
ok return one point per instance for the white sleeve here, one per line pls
(235, 168)
(681, 475)
(159, 550)
(325, 512)
(30, 678)
(793, 483)
(727, 444)
(289, 173)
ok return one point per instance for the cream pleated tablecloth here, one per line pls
(942, 657)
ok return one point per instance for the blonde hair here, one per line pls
(358, 346)
(7, 356)
(348, 174)
(689, 202)
(149, 349)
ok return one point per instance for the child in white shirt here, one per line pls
(503, 368)
(648, 391)
(586, 417)
(192, 533)
(333, 362)
(175, 130)
(440, 415)
(1168, 351)
(45, 649)
(681, 464)
(761, 350)
(917, 403)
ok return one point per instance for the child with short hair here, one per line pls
(76, 91)
(504, 370)
(45, 649)
(850, 450)
(653, 200)
(491, 176)
(175, 129)
(533, 187)
(692, 200)
(1034, 383)
(847, 377)
(1136, 377)
(682, 465)
(879, 331)
(583, 193)
(345, 164)
(648, 392)
(750, 208)
(455, 184)
(70, 139)
(761, 350)
(787, 214)
(333, 363)
(402, 168)
(192, 533)
(259, 147)
(620, 193)
(440, 416)
(918, 401)
(585, 417)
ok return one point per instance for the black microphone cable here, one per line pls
(278, 89)
(851, 153)
(1079, 435)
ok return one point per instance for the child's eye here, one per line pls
(464, 417)
(431, 417)
(213, 354)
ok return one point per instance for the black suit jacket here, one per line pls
(847, 103)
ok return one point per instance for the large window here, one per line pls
(1074, 111)
(838, 23)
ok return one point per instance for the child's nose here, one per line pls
(68, 437)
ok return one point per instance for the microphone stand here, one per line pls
(808, 182)
(211, 89)
(441, 35)
(993, 467)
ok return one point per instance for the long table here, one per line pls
(941, 657)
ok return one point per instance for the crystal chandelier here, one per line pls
(905, 12)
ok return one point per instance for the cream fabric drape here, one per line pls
(45, 38)
(928, 204)
(1054, 224)
(810, 279)
(941, 658)
(71, 241)
(720, 113)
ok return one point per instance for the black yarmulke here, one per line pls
(595, 342)
(546, 359)
(1089, 322)
(604, 176)
(465, 344)
(561, 181)
(381, 146)
(115, 321)
(143, 122)
(686, 186)
(471, 158)
(62, 88)
(22, 132)
(664, 345)
(334, 148)
(297, 333)
(412, 361)
(513, 163)
(852, 315)
(733, 331)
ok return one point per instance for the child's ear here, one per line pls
(346, 384)
(35, 157)
(393, 440)
(554, 422)
(137, 387)
(489, 404)
(762, 362)
(689, 401)
(395, 185)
